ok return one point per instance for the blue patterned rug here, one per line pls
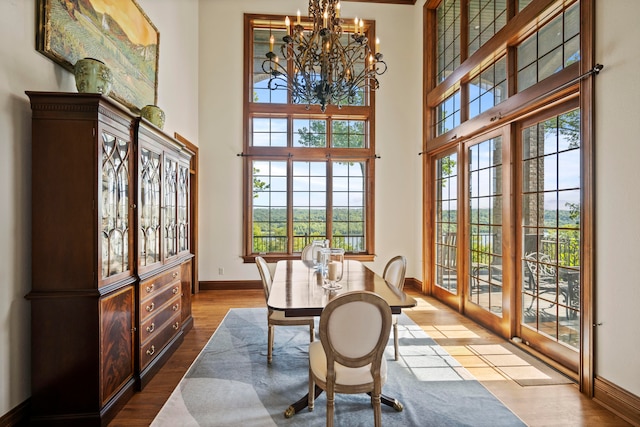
(230, 383)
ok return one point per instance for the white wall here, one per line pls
(398, 132)
(23, 68)
(206, 107)
(618, 199)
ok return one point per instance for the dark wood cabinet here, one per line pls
(107, 213)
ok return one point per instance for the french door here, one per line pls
(550, 242)
(488, 296)
(507, 237)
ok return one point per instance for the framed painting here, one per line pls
(117, 32)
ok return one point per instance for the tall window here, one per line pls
(504, 94)
(308, 174)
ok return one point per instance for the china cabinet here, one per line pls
(164, 264)
(111, 255)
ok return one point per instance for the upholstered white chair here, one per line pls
(276, 317)
(354, 330)
(394, 273)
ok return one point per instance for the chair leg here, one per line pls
(377, 410)
(330, 407)
(312, 333)
(395, 339)
(312, 394)
(270, 344)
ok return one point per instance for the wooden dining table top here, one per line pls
(297, 288)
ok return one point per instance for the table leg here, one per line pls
(304, 402)
(301, 404)
(390, 401)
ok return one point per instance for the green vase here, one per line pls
(92, 76)
(154, 114)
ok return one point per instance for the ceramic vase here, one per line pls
(92, 76)
(154, 114)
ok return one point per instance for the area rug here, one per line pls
(231, 384)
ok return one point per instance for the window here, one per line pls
(448, 58)
(506, 241)
(551, 49)
(485, 19)
(309, 175)
(489, 88)
(448, 114)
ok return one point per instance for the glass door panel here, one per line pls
(446, 221)
(484, 285)
(149, 212)
(170, 207)
(115, 205)
(551, 204)
(183, 208)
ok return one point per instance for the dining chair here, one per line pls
(394, 273)
(276, 317)
(354, 330)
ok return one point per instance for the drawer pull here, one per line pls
(176, 326)
(176, 290)
(175, 274)
(151, 327)
(150, 288)
(150, 308)
(151, 350)
(176, 307)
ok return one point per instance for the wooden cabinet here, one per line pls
(106, 226)
(164, 254)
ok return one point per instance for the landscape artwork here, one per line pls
(116, 32)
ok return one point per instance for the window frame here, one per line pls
(291, 153)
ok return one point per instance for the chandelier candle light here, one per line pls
(321, 66)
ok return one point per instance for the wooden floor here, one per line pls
(549, 405)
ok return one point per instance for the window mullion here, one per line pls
(330, 200)
(290, 239)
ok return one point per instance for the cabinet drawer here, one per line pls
(154, 304)
(153, 324)
(153, 347)
(155, 285)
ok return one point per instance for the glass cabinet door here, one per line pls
(170, 208)
(183, 208)
(149, 211)
(115, 205)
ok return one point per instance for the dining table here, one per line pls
(299, 289)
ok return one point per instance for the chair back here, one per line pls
(265, 275)
(354, 330)
(395, 270)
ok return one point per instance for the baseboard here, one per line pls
(617, 400)
(18, 416)
(229, 285)
(413, 283)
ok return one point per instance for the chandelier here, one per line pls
(331, 64)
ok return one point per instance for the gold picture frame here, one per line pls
(116, 32)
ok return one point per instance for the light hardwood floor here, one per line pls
(549, 405)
